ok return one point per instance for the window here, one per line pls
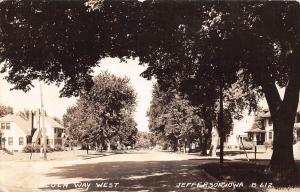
(270, 121)
(21, 140)
(270, 135)
(5, 125)
(10, 141)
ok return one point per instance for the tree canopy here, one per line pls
(211, 44)
(4, 110)
(104, 113)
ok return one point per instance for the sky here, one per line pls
(56, 106)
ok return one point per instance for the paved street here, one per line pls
(134, 171)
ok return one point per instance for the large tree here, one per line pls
(60, 42)
(173, 117)
(257, 42)
(104, 113)
(220, 43)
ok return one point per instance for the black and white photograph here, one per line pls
(149, 95)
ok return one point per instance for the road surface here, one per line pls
(134, 171)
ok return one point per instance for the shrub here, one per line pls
(49, 149)
(246, 145)
(8, 151)
(27, 148)
(268, 144)
(32, 148)
(35, 149)
(58, 148)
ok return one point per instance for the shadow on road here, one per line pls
(103, 154)
(140, 176)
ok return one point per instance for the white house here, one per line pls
(266, 133)
(17, 132)
(238, 134)
(54, 132)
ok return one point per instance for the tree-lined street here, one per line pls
(133, 171)
(212, 61)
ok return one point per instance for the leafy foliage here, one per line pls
(143, 140)
(4, 110)
(104, 113)
(59, 41)
(200, 46)
(172, 117)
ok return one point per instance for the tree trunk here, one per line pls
(221, 125)
(188, 144)
(108, 146)
(100, 147)
(214, 142)
(283, 126)
(175, 145)
(204, 144)
(282, 165)
(206, 140)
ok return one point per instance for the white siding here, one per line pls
(15, 132)
(269, 129)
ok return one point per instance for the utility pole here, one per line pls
(43, 124)
(221, 124)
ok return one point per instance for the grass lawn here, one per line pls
(252, 174)
(57, 156)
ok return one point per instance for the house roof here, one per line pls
(256, 130)
(53, 123)
(25, 124)
(22, 123)
(265, 114)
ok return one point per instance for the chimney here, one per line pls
(32, 119)
(31, 122)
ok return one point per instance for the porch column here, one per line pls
(254, 138)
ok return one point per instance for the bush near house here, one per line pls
(36, 149)
(31, 148)
(268, 144)
(246, 145)
(58, 148)
(8, 151)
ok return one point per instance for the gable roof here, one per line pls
(255, 130)
(22, 123)
(53, 123)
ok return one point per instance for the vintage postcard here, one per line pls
(149, 95)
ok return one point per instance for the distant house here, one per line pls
(238, 134)
(54, 132)
(266, 133)
(17, 132)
